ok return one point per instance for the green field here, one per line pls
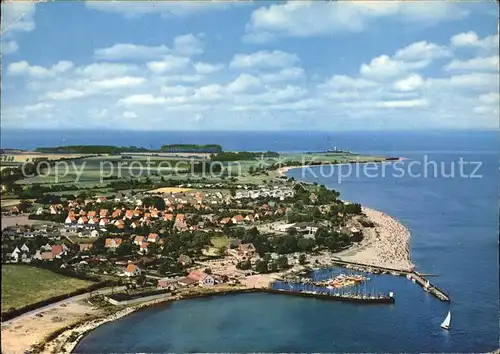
(23, 285)
(220, 241)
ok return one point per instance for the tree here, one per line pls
(302, 259)
(282, 262)
(244, 265)
(305, 244)
(261, 266)
(141, 280)
(24, 205)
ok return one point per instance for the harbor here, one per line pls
(355, 275)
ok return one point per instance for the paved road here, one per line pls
(65, 301)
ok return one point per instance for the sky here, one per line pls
(297, 65)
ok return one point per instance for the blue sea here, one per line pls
(454, 225)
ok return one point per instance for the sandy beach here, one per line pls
(385, 245)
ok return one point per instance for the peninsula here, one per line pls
(171, 233)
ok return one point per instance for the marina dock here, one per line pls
(411, 274)
(326, 293)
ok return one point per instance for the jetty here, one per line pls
(432, 289)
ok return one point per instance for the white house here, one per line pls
(25, 248)
(37, 255)
(94, 233)
(15, 254)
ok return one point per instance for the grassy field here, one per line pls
(220, 241)
(170, 190)
(22, 285)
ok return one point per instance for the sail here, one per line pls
(447, 320)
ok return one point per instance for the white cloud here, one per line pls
(104, 70)
(209, 92)
(118, 82)
(263, 59)
(383, 67)
(129, 114)
(411, 83)
(343, 82)
(142, 99)
(175, 90)
(17, 16)
(244, 83)
(169, 63)
(127, 51)
(402, 104)
(23, 68)
(284, 75)
(9, 47)
(314, 18)
(38, 107)
(490, 98)
(471, 40)
(166, 9)
(422, 51)
(487, 110)
(187, 45)
(64, 95)
(480, 64)
(207, 68)
(473, 81)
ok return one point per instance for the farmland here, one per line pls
(23, 285)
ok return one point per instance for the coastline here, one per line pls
(385, 245)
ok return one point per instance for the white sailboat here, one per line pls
(446, 322)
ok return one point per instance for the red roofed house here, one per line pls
(113, 242)
(82, 220)
(103, 222)
(46, 256)
(168, 217)
(225, 221)
(143, 247)
(85, 247)
(59, 250)
(165, 284)
(91, 214)
(116, 214)
(153, 237)
(119, 224)
(201, 277)
(138, 240)
(103, 213)
(132, 270)
(129, 214)
(155, 213)
(238, 219)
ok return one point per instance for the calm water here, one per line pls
(454, 225)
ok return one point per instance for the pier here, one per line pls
(434, 290)
(412, 274)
